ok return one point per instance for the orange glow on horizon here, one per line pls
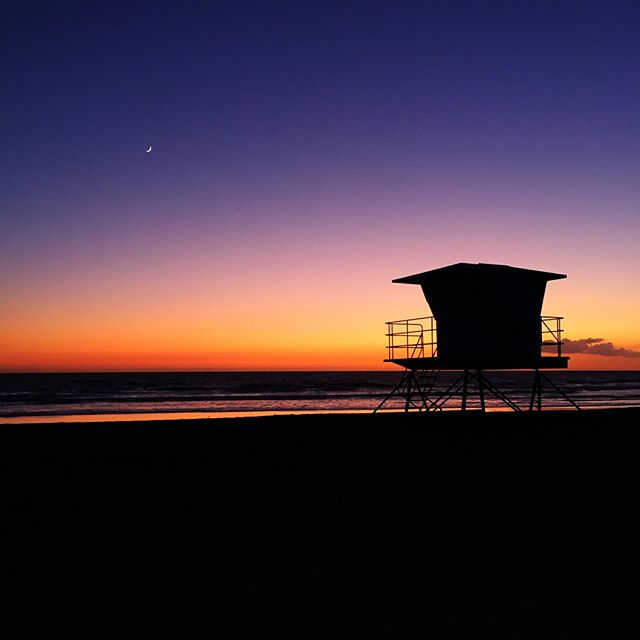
(292, 360)
(320, 316)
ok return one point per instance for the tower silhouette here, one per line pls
(485, 317)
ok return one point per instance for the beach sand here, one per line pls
(313, 526)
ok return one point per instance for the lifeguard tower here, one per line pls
(485, 317)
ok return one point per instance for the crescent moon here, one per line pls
(149, 149)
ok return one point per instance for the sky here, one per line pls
(304, 154)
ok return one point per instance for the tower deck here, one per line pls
(444, 364)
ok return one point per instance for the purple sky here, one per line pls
(384, 135)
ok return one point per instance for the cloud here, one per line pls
(597, 347)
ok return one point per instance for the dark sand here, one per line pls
(522, 525)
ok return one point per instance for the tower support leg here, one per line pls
(536, 392)
(396, 390)
(465, 389)
(558, 389)
(415, 389)
(407, 402)
(480, 390)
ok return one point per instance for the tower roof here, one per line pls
(464, 269)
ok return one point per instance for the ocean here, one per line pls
(98, 396)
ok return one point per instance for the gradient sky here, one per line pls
(304, 154)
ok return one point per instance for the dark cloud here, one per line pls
(597, 347)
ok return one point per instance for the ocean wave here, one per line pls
(68, 394)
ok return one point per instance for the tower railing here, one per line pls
(412, 338)
(551, 332)
(417, 337)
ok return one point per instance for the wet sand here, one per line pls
(519, 525)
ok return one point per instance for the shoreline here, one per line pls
(170, 416)
(355, 416)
